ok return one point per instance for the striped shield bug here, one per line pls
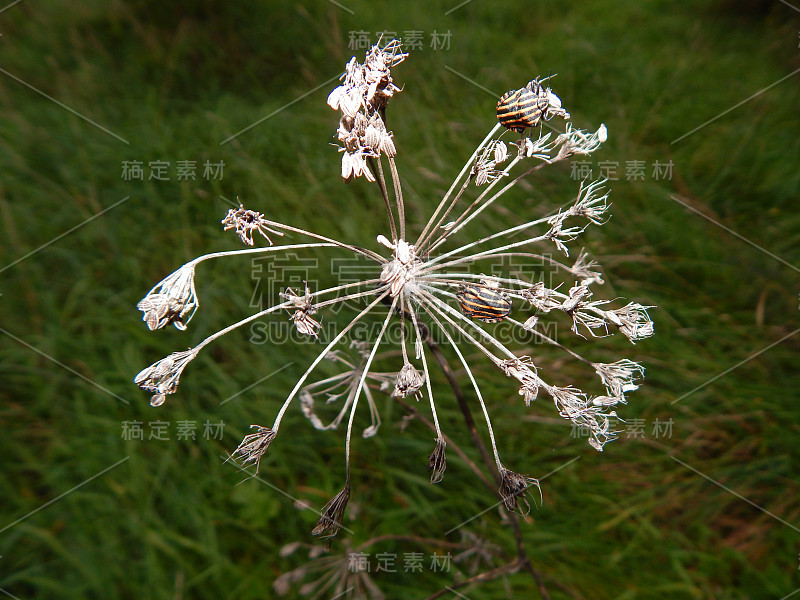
(484, 303)
(519, 109)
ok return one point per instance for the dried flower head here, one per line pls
(254, 445)
(172, 301)
(303, 309)
(403, 267)
(354, 380)
(437, 462)
(245, 222)
(330, 520)
(524, 371)
(409, 381)
(582, 269)
(633, 321)
(576, 141)
(619, 377)
(432, 283)
(162, 377)
(362, 99)
(485, 169)
(514, 490)
(541, 297)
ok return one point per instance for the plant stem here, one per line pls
(522, 561)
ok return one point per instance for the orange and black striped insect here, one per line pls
(519, 109)
(483, 303)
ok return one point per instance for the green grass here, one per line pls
(172, 521)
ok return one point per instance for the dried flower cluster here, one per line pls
(245, 222)
(420, 281)
(362, 99)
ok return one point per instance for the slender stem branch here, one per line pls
(450, 443)
(429, 266)
(322, 355)
(357, 249)
(376, 166)
(277, 307)
(358, 389)
(539, 257)
(456, 198)
(354, 295)
(200, 259)
(522, 561)
(428, 384)
(412, 538)
(506, 569)
(425, 232)
(465, 409)
(550, 340)
(403, 313)
(443, 235)
(486, 204)
(238, 324)
(504, 233)
(398, 194)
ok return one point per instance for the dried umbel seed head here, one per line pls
(245, 222)
(577, 294)
(485, 168)
(584, 270)
(401, 270)
(254, 445)
(514, 490)
(541, 297)
(577, 141)
(619, 377)
(161, 310)
(432, 284)
(409, 381)
(304, 308)
(591, 203)
(575, 405)
(437, 462)
(633, 321)
(377, 75)
(172, 301)
(523, 370)
(162, 377)
(362, 99)
(368, 86)
(330, 522)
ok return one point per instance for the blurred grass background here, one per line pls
(174, 81)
